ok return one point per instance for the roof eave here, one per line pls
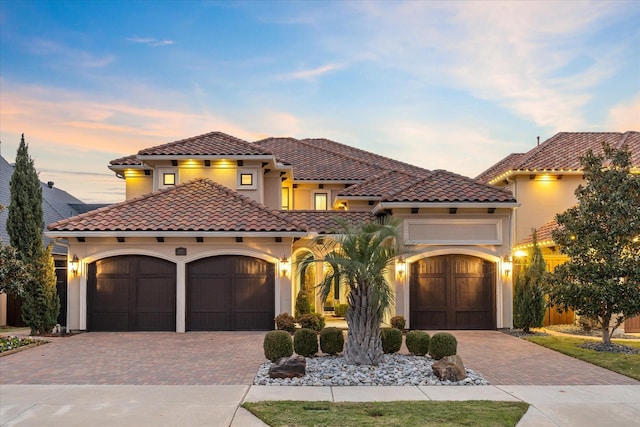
(143, 157)
(160, 233)
(399, 205)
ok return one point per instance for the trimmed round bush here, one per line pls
(443, 344)
(340, 310)
(418, 342)
(391, 340)
(398, 322)
(286, 322)
(277, 344)
(313, 321)
(305, 342)
(331, 340)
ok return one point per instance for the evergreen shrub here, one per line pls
(340, 310)
(391, 340)
(313, 321)
(302, 303)
(286, 322)
(398, 322)
(277, 344)
(443, 344)
(305, 342)
(418, 342)
(331, 340)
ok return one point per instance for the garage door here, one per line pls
(131, 293)
(452, 292)
(230, 293)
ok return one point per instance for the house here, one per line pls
(544, 181)
(56, 205)
(213, 228)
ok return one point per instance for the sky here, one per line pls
(442, 85)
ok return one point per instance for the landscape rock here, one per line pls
(289, 367)
(450, 368)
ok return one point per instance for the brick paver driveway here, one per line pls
(234, 357)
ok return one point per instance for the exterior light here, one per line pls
(284, 265)
(507, 264)
(401, 266)
(74, 264)
(520, 253)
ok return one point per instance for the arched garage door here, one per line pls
(452, 292)
(230, 293)
(131, 293)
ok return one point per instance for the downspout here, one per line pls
(65, 243)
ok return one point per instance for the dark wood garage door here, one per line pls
(230, 293)
(131, 293)
(452, 292)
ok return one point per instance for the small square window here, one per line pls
(169, 179)
(320, 201)
(246, 179)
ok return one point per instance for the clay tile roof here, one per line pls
(325, 222)
(383, 184)
(131, 160)
(315, 163)
(444, 186)
(210, 144)
(563, 151)
(506, 164)
(198, 205)
(543, 233)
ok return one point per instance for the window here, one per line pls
(320, 201)
(169, 178)
(285, 198)
(247, 179)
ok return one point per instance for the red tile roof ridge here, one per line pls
(204, 135)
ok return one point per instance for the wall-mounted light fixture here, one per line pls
(507, 265)
(401, 266)
(284, 265)
(74, 265)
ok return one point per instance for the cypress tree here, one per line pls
(26, 220)
(528, 300)
(25, 223)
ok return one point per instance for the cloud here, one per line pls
(311, 74)
(625, 116)
(64, 57)
(149, 41)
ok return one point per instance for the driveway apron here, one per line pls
(224, 358)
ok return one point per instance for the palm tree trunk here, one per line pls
(363, 346)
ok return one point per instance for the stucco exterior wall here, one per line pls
(98, 248)
(138, 185)
(541, 200)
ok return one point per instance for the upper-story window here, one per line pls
(320, 201)
(247, 179)
(285, 198)
(167, 177)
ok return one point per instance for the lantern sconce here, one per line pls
(74, 265)
(401, 266)
(284, 265)
(507, 265)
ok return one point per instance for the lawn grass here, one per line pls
(625, 364)
(401, 414)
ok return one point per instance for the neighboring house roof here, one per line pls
(327, 222)
(544, 234)
(56, 205)
(562, 152)
(198, 206)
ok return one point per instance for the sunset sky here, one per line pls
(443, 85)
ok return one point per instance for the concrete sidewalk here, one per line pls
(218, 405)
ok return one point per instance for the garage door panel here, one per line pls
(452, 292)
(230, 293)
(131, 293)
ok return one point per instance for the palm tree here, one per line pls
(361, 258)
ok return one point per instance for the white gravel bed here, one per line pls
(395, 369)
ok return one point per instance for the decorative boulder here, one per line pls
(449, 368)
(288, 367)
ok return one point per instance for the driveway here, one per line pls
(224, 358)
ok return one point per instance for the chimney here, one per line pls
(538, 140)
(50, 184)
